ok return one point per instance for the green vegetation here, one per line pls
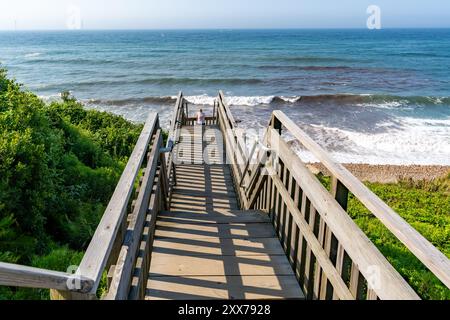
(59, 165)
(426, 206)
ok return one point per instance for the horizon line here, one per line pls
(230, 28)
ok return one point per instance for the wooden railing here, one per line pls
(123, 239)
(179, 114)
(332, 257)
(234, 145)
(121, 246)
(122, 243)
(28, 277)
(344, 182)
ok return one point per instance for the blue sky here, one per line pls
(176, 14)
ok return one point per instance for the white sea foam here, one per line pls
(385, 105)
(51, 97)
(248, 101)
(33, 55)
(291, 99)
(415, 142)
(201, 99)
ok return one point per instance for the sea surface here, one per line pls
(367, 96)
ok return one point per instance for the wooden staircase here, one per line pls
(205, 247)
(195, 219)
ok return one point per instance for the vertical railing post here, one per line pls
(337, 252)
(339, 192)
(187, 109)
(214, 113)
(276, 124)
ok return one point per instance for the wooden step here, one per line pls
(223, 287)
(217, 246)
(227, 216)
(188, 230)
(214, 265)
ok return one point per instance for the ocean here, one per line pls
(366, 96)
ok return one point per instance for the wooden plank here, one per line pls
(202, 200)
(428, 254)
(223, 287)
(199, 231)
(356, 282)
(318, 274)
(201, 193)
(324, 294)
(23, 276)
(96, 256)
(213, 265)
(339, 264)
(207, 207)
(310, 257)
(217, 246)
(228, 216)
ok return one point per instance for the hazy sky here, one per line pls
(168, 14)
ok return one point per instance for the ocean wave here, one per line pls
(200, 81)
(242, 100)
(362, 100)
(50, 97)
(64, 61)
(132, 101)
(374, 100)
(155, 81)
(311, 59)
(312, 68)
(32, 55)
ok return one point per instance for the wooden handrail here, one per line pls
(355, 242)
(428, 254)
(29, 277)
(120, 283)
(174, 134)
(229, 115)
(227, 125)
(339, 286)
(176, 116)
(99, 249)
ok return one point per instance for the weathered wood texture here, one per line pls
(429, 255)
(205, 248)
(312, 225)
(23, 276)
(332, 257)
(97, 254)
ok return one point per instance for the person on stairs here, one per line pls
(201, 118)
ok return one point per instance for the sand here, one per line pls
(389, 173)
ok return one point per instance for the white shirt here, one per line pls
(200, 118)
